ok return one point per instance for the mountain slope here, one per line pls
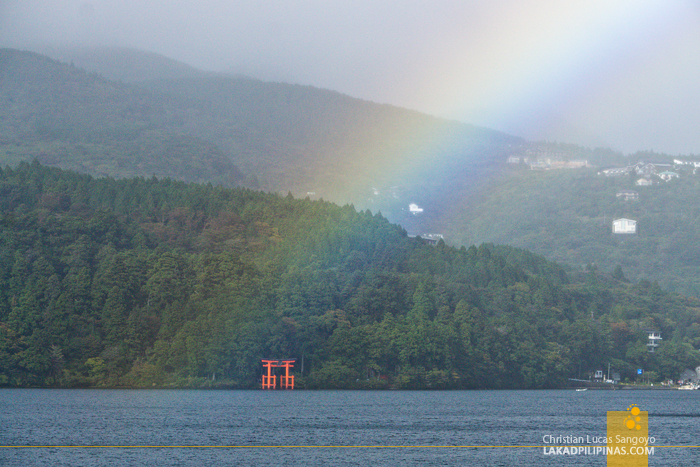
(64, 116)
(124, 64)
(307, 140)
(195, 126)
(567, 215)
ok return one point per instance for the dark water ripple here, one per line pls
(30, 417)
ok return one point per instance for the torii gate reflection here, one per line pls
(269, 381)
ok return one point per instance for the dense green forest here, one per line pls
(143, 282)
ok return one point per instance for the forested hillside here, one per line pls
(145, 282)
(201, 127)
(63, 116)
(567, 215)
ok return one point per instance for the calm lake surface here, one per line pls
(340, 420)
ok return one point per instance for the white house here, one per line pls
(644, 182)
(695, 164)
(654, 338)
(414, 208)
(692, 376)
(667, 175)
(624, 226)
(651, 168)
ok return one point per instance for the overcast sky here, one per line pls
(621, 73)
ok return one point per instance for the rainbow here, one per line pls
(513, 66)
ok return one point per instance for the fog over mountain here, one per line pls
(619, 73)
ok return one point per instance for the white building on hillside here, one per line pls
(692, 376)
(624, 226)
(666, 176)
(414, 208)
(695, 164)
(654, 338)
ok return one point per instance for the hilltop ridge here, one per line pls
(64, 116)
(283, 137)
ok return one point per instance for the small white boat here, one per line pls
(689, 387)
(581, 389)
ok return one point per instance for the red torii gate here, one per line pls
(269, 381)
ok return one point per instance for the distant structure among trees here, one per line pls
(548, 163)
(654, 338)
(627, 195)
(414, 208)
(624, 226)
(667, 175)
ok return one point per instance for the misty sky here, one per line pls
(618, 73)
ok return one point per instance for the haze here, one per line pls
(621, 74)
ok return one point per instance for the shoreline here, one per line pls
(622, 387)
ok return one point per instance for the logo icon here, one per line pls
(633, 420)
(628, 438)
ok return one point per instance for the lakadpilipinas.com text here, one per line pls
(598, 445)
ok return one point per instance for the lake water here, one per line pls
(356, 427)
